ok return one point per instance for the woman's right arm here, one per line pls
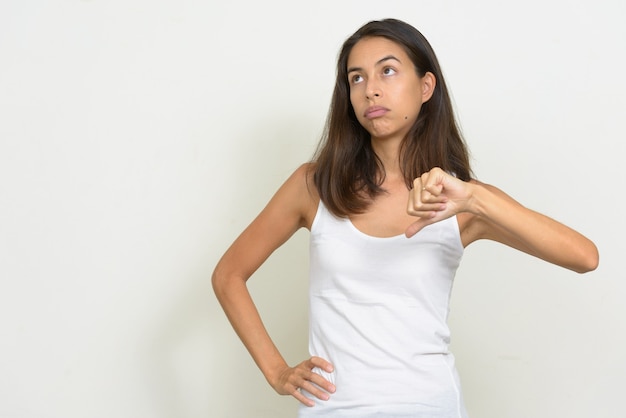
(293, 206)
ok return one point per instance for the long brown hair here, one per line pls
(348, 173)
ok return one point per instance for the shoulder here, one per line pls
(298, 194)
(302, 183)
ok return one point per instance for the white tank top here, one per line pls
(378, 312)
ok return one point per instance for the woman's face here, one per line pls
(385, 90)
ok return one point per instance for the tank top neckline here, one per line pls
(373, 237)
(356, 231)
(353, 228)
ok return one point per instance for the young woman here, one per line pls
(391, 203)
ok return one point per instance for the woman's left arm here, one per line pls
(496, 216)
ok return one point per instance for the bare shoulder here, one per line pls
(298, 195)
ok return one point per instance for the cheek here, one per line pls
(415, 110)
(356, 105)
(411, 116)
(411, 107)
(353, 96)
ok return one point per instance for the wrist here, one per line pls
(476, 199)
(273, 374)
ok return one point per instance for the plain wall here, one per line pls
(138, 138)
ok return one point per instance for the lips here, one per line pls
(373, 112)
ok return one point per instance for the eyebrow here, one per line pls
(380, 61)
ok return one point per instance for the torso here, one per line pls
(378, 311)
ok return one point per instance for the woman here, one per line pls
(391, 203)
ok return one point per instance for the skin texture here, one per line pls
(386, 94)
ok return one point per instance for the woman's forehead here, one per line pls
(374, 50)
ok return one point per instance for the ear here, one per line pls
(428, 86)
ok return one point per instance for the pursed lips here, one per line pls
(373, 112)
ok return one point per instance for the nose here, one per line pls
(372, 91)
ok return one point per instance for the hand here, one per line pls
(436, 195)
(292, 379)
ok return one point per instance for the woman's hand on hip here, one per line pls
(292, 379)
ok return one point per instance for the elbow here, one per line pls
(225, 283)
(218, 282)
(589, 260)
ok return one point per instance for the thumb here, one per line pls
(415, 227)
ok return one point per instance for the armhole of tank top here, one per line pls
(457, 233)
(457, 227)
(318, 215)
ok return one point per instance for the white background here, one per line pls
(139, 137)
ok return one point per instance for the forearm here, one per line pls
(531, 231)
(244, 317)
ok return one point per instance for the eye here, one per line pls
(356, 79)
(388, 71)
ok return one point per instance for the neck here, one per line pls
(388, 150)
